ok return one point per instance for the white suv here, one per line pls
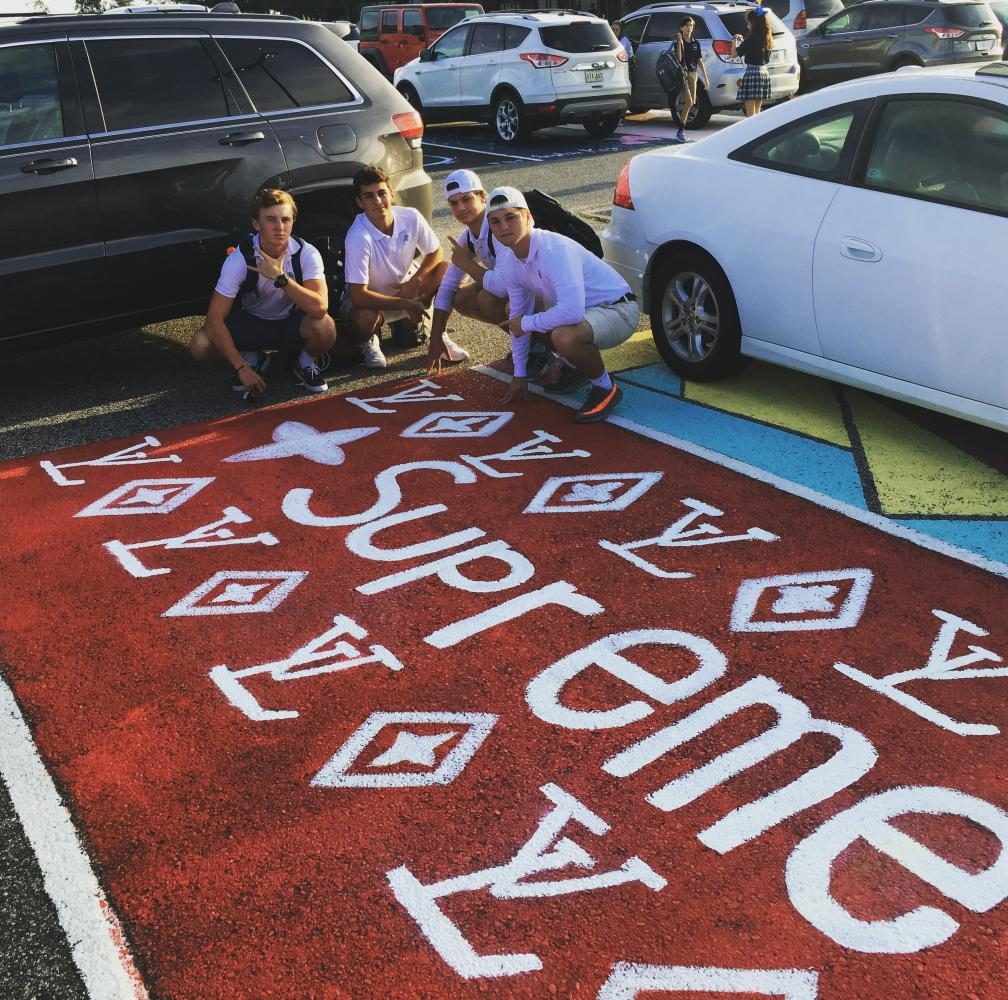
(652, 28)
(520, 72)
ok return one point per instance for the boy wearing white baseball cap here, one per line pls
(589, 307)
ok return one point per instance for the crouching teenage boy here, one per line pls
(277, 312)
(383, 279)
(589, 307)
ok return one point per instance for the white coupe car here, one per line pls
(859, 233)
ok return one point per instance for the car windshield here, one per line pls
(442, 18)
(968, 15)
(579, 36)
(735, 22)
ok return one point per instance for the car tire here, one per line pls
(694, 319)
(409, 92)
(700, 113)
(509, 122)
(638, 111)
(603, 126)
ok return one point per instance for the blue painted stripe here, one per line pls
(989, 538)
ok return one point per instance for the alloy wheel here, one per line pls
(691, 319)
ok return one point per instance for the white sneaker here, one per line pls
(372, 353)
(452, 352)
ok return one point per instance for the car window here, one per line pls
(280, 74)
(390, 22)
(823, 8)
(735, 22)
(514, 35)
(29, 94)
(369, 25)
(970, 15)
(782, 8)
(579, 36)
(486, 38)
(915, 13)
(452, 43)
(133, 74)
(412, 22)
(634, 29)
(662, 27)
(853, 19)
(942, 149)
(442, 18)
(818, 146)
(885, 15)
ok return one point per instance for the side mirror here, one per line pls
(426, 55)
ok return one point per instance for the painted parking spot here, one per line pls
(405, 695)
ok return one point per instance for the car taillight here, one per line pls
(621, 196)
(946, 32)
(801, 21)
(621, 54)
(543, 60)
(410, 126)
(722, 49)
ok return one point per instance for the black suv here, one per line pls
(131, 146)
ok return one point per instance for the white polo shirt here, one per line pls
(383, 262)
(454, 275)
(568, 278)
(270, 302)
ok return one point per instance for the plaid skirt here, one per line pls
(755, 84)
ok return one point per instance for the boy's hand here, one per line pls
(269, 267)
(517, 391)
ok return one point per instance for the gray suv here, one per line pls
(883, 35)
(131, 146)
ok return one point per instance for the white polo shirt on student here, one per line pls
(270, 302)
(568, 278)
(383, 262)
(454, 275)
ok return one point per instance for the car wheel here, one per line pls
(411, 95)
(509, 118)
(700, 113)
(694, 319)
(601, 127)
(638, 111)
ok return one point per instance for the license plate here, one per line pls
(593, 76)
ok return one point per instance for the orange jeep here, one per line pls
(393, 34)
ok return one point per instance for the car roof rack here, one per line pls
(570, 12)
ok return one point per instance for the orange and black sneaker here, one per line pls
(598, 404)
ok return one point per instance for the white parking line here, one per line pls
(92, 929)
(484, 152)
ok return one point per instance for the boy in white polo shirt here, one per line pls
(383, 280)
(589, 307)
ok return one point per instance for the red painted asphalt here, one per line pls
(304, 831)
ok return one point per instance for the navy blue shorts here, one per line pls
(250, 333)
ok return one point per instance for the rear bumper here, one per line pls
(580, 109)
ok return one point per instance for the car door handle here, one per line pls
(242, 138)
(48, 166)
(857, 249)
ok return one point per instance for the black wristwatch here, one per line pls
(280, 280)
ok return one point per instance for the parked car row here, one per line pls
(860, 241)
(131, 146)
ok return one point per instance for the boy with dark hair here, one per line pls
(280, 311)
(384, 281)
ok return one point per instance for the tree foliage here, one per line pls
(89, 6)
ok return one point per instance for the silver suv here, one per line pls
(883, 35)
(653, 28)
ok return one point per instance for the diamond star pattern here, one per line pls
(238, 592)
(458, 424)
(146, 496)
(829, 599)
(591, 492)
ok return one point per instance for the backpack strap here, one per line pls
(490, 247)
(296, 260)
(251, 283)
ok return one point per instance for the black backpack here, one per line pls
(548, 213)
(251, 282)
(669, 70)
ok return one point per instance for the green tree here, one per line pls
(39, 7)
(89, 6)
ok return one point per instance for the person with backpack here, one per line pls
(589, 308)
(385, 282)
(690, 57)
(271, 296)
(755, 49)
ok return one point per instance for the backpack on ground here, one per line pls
(549, 214)
(669, 70)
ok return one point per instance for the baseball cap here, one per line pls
(461, 182)
(506, 197)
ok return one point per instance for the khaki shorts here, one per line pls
(612, 324)
(689, 86)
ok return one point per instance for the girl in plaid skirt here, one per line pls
(755, 49)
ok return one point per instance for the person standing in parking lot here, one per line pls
(589, 307)
(384, 280)
(755, 49)
(286, 309)
(690, 56)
